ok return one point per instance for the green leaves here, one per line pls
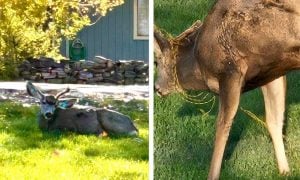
(36, 28)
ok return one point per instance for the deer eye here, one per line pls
(51, 102)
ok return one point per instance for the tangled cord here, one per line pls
(203, 100)
(192, 98)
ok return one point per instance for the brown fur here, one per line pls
(241, 45)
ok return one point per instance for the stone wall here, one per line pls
(98, 71)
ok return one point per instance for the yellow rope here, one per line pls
(254, 117)
(177, 85)
(196, 101)
(211, 108)
(191, 98)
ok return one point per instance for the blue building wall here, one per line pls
(112, 36)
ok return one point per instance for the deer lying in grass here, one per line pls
(60, 114)
(241, 45)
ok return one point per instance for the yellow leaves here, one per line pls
(36, 28)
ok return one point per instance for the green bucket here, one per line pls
(77, 51)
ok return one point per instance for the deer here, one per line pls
(241, 45)
(62, 114)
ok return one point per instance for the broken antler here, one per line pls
(58, 95)
(190, 33)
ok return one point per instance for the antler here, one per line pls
(189, 32)
(58, 95)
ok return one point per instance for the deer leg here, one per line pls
(230, 90)
(274, 97)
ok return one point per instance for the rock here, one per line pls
(101, 59)
(129, 74)
(25, 66)
(55, 81)
(32, 78)
(120, 69)
(45, 70)
(128, 67)
(57, 70)
(45, 62)
(69, 80)
(75, 73)
(79, 81)
(38, 76)
(61, 75)
(84, 75)
(90, 81)
(142, 75)
(110, 64)
(141, 68)
(98, 75)
(100, 66)
(67, 68)
(88, 64)
(106, 75)
(98, 79)
(129, 81)
(24, 73)
(97, 71)
(109, 80)
(64, 61)
(118, 77)
(137, 63)
(140, 80)
(48, 75)
(76, 66)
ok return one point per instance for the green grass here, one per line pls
(184, 139)
(28, 153)
(176, 15)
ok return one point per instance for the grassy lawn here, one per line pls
(28, 153)
(184, 138)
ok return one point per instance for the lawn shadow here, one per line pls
(292, 97)
(22, 133)
(240, 125)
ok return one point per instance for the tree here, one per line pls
(36, 28)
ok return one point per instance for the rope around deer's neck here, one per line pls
(192, 98)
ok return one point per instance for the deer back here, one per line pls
(83, 121)
(116, 123)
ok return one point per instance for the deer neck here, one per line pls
(188, 72)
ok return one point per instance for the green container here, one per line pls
(77, 51)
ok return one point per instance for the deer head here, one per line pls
(49, 103)
(168, 53)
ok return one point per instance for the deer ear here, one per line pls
(162, 42)
(157, 50)
(33, 90)
(66, 103)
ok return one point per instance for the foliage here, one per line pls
(36, 28)
(184, 139)
(29, 153)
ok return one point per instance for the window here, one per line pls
(141, 19)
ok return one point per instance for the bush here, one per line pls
(37, 28)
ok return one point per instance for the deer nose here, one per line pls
(48, 115)
(157, 89)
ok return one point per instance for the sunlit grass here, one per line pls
(184, 139)
(28, 153)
